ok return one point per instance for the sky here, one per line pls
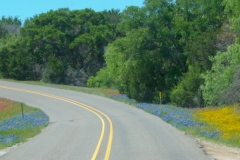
(28, 8)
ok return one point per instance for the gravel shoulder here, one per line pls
(219, 152)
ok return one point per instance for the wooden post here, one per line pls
(22, 110)
(160, 96)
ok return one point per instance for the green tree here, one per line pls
(77, 39)
(233, 9)
(231, 95)
(219, 78)
(15, 62)
(54, 70)
(132, 17)
(201, 47)
(9, 25)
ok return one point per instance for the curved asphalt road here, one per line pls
(74, 132)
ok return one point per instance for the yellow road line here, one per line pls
(108, 150)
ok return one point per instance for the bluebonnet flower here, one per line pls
(212, 134)
(178, 117)
(32, 119)
(204, 132)
(9, 139)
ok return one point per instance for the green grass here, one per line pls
(25, 134)
(195, 132)
(9, 108)
(97, 91)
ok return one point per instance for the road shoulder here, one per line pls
(219, 152)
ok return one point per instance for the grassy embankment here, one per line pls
(219, 125)
(17, 126)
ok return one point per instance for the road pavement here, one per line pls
(75, 130)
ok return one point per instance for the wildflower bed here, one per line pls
(17, 126)
(221, 125)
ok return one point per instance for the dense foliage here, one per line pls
(162, 41)
(187, 49)
(221, 81)
(59, 46)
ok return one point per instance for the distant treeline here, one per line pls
(187, 49)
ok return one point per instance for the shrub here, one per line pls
(219, 78)
(102, 79)
(76, 77)
(232, 94)
(54, 70)
(91, 82)
(187, 92)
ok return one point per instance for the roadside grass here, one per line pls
(216, 124)
(122, 98)
(17, 128)
(22, 135)
(8, 108)
(225, 121)
(211, 124)
(97, 91)
(219, 125)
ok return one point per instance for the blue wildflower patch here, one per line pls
(210, 134)
(32, 119)
(18, 122)
(9, 139)
(178, 117)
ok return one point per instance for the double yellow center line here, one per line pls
(98, 113)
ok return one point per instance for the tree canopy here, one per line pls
(60, 44)
(187, 49)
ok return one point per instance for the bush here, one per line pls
(36, 72)
(187, 92)
(219, 78)
(76, 77)
(46, 73)
(91, 82)
(102, 79)
(232, 94)
(54, 71)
